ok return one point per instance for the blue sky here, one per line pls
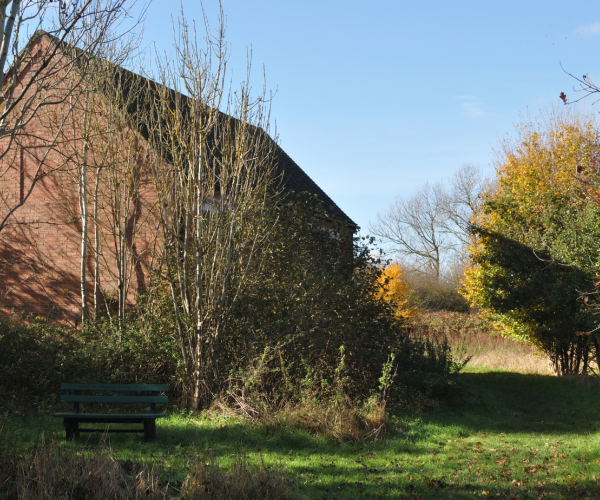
(375, 98)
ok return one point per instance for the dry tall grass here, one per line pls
(207, 480)
(335, 417)
(323, 408)
(472, 337)
(340, 422)
(53, 471)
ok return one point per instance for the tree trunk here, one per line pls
(84, 234)
(96, 246)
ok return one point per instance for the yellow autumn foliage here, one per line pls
(396, 291)
(536, 170)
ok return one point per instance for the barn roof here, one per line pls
(294, 179)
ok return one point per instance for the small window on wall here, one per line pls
(210, 205)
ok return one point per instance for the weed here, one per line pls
(337, 420)
(316, 405)
(51, 470)
(241, 481)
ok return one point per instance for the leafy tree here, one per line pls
(532, 249)
(396, 291)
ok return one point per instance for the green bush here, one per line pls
(36, 358)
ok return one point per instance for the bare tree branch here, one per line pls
(427, 230)
(45, 72)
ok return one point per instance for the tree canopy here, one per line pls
(533, 252)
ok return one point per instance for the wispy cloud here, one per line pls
(588, 30)
(472, 106)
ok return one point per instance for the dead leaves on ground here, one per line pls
(513, 471)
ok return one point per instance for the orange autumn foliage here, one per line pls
(396, 291)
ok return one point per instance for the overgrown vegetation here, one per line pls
(276, 329)
(437, 294)
(36, 357)
(49, 470)
(318, 294)
(307, 342)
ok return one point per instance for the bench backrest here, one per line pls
(77, 398)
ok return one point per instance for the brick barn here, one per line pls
(41, 244)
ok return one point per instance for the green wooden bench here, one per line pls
(72, 420)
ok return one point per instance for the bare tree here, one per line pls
(101, 139)
(430, 229)
(45, 72)
(119, 181)
(462, 200)
(213, 193)
(584, 88)
(415, 228)
(85, 144)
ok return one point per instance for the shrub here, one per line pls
(534, 246)
(394, 289)
(144, 351)
(319, 292)
(319, 406)
(450, 323)
(36, 358)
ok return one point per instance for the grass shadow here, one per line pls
(506, 402)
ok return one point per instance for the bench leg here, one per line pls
(149, 429)
(71, 429)
(68, 430)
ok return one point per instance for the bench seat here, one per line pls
(72, 419)
(114, 416)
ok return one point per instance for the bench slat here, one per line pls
(141, 431)
(114, 399)
(115, 387)
(123, 416)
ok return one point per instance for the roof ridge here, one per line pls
(294, 178)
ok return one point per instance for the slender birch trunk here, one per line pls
(84, 235)
(96, 246)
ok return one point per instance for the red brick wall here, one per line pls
(40, 249)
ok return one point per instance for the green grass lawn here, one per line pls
(512, 436)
